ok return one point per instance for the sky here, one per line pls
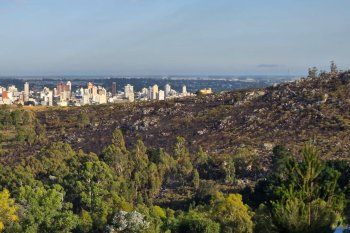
(172, 37)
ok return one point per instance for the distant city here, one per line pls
(79, 91)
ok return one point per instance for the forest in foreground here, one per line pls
(129, 186)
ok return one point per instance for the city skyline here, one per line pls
(141, 37)
(65, 94)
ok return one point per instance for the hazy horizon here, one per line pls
(154, 76)
(184, 37)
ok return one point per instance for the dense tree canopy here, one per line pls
(136, 189)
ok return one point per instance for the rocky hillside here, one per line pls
(292, 114)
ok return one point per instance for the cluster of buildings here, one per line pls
(63, 95)
(154, 93)
(11, 95)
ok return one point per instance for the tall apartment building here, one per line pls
(63, 90)
(167, 89)
(161, 95)
(102, 96)
(155, 91)
(26, 91)
(94, 95)
(46, 96)
(69, 85)
(184, 90)
(114, 89)
(128, 90)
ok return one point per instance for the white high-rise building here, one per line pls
(85, 100)
(184, 90)
(144, 91)
(26, 91)
(128, 90)
(46, 96)
(167, 89)
(102, 96)
(155, 91)
(161, 95)
(94, 94)
(50, 98)
(69, 84)
(131, 97)
(65, 95)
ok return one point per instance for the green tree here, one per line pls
(45, 210)
(206, 190)
(195, 179)
(95, 190)
(139, 157)
(165, 164)
(201, 157)
(118, 140)
(58, 161)
(85, 223)
(12, 178)
(8, 210)
(156, 216)
(154, 180)
(308, 199)
(228, 166)
(117, 160)
(180, 149)
(343, 167)
(234, 216)
(182, 157)
(140, 174)
(196, 222)
(263, 221)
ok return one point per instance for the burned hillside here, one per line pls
(291, 113)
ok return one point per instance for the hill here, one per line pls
(239, 150)
(289, 114)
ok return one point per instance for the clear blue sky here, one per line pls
(98, 37)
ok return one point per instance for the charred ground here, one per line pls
(289, 114)
(256, 120)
